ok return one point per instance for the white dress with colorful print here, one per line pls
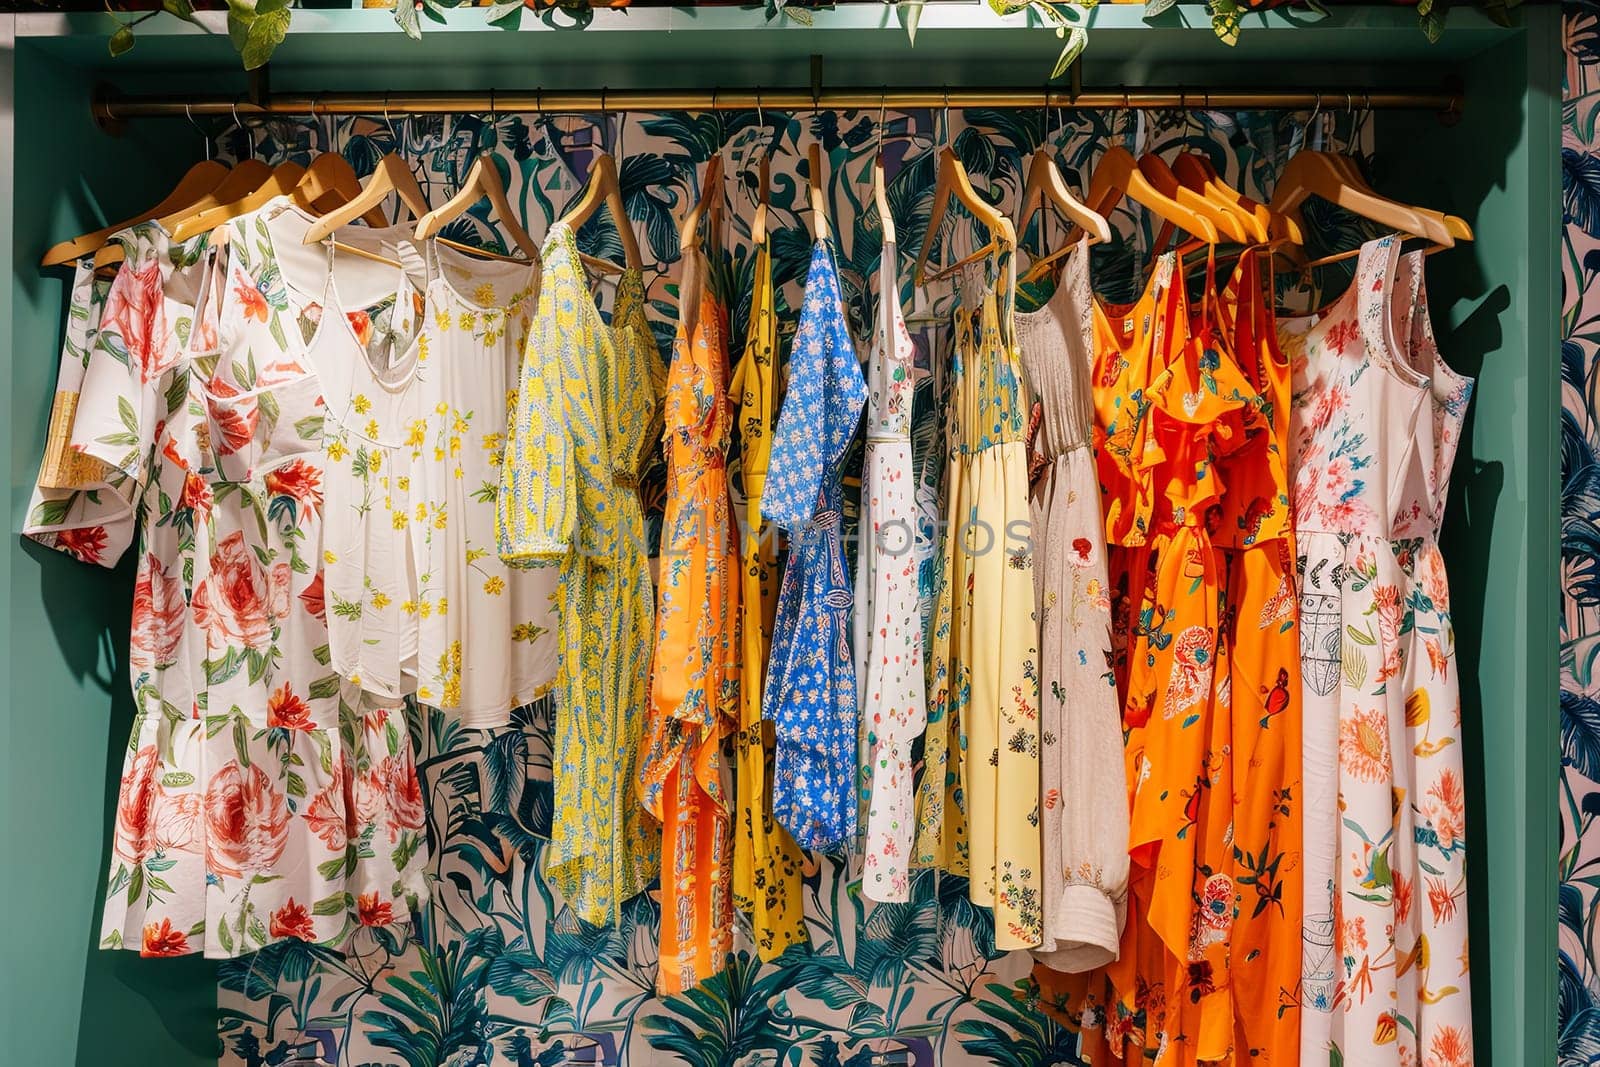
(1385, 977)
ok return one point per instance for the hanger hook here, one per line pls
(946, 123)
(493, 117)
(1316, 109)
(394, 138)
(883, 110)
(249, 144)
(204, 140)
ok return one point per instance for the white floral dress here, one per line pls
(1385, 967)
(888, 633)
(487, 629)
(374, 438)
(256, 802)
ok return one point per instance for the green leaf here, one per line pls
(503, 11)
(240, 16)
(49, 513)
(121, 41)
(405, 16)
(1076, 38)
(241, 742)
(1432, 26)
(181, 8)
(126, 413)
(324, 688)
(264, 34)
(333, 904)
(910, 14)
(308, 428)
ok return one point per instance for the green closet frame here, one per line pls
(64, 632)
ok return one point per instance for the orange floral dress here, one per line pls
(1256, 538)
(1170, 403)
(694, 690)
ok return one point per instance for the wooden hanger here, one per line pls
(1454, 225)
(1118, 175)
(329, 182)
(483, 182)
(392, 177)
(1311, 173)
(953, 181)
(197, 182)
(758, 224)
(1161, 176)
(281, 182)
(820, 229)
(1045, 187)
(707, 206)
(242, 180)
(1195, 172)
(604, 189)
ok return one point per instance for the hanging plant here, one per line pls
(1055, 15)
(257, 27)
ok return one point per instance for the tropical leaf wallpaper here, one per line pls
(1578, 1037)
(495, 969)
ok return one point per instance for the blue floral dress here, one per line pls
(811, 678)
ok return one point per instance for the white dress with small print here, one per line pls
(487, 629)
(888, 631)
(374, 498)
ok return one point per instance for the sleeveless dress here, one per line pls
(1255, 533)
(1433, 700)
(1085, 836)
(983, 668)
(1171, 403)
(568, 498)
(373, 492)
(1385, 968)
(694, 686)
(811, 685)
(487, 630)
(888, 631)
(766, 861)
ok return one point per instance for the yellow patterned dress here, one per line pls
(766, 861)
(579, 433)
(984, 677)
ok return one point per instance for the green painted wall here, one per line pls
(66, 635)
(1498, 306)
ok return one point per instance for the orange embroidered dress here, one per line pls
(694, 688)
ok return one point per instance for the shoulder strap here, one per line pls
(1375, 284)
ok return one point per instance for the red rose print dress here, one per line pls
(257, 802)
(1376, 415)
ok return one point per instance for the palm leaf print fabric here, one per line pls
(498, 967)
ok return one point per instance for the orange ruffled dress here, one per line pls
(1170, 404)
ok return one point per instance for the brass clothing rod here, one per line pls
(110, 106)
